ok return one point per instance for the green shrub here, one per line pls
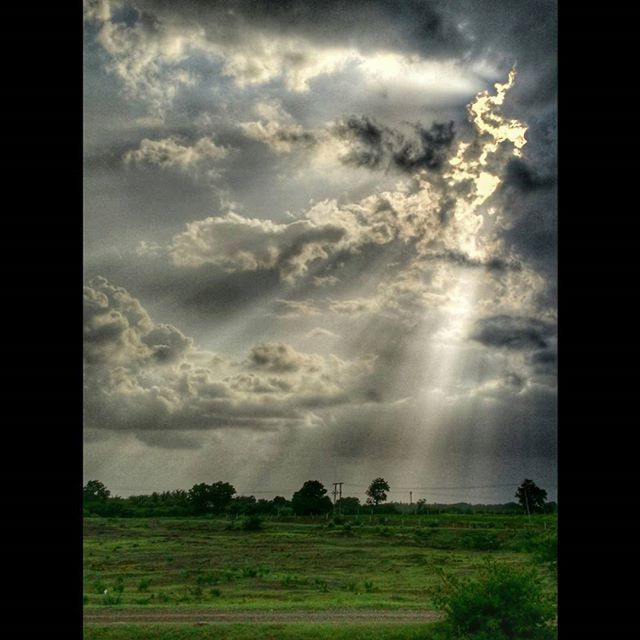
(109, 598)
(207, 578)
(503, 604)
(99, 586)
(144, 584)
(545, 550)
(482, 541)
(322, 584)
(251, 523)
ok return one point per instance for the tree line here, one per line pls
(310, 500)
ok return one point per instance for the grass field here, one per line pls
(202, 563)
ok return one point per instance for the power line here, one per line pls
(484, 486)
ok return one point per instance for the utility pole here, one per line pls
(337, 491)
(410, 497)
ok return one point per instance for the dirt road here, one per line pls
(212, 616)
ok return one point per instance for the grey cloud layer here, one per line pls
(143, 376)
(339, 254)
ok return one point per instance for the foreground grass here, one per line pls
(200, 563)
(290, 631)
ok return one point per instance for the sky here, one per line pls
(320, 243)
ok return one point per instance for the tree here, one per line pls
(531, 497)
(210, 498)
(421, 505)
(242, 505)
(311, 499)
(348, 505)
(95, 491)
(377, 491)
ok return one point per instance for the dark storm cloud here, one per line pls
(544, 362)
(409, 25)
(530, 202)
(463, 260)
(524, 426)
(511, 332)
(378, 147)
(522, 32)
(166, 342)
(519, 175)
(279, 358)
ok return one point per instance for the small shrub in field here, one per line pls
(322, 584)
(215, 592)
(292, 581)
(251, 523)
(503, 604)
(483, 542)
(545, 550)
(109, 598)
(144, 584)
(207, 578)
(85, 599)
(99, 586)
(369, 587)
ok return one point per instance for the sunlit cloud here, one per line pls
(319, 251)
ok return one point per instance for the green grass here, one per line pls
(290, 631)
(182, 562)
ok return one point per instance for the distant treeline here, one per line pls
(220, 498)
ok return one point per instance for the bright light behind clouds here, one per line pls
(319, 252)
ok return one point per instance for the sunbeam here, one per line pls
(321, 253)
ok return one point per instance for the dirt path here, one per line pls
(212, 616)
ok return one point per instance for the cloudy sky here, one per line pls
(320, 243)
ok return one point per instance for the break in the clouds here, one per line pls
(320, 241)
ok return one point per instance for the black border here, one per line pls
(43, 336)
(597, 540)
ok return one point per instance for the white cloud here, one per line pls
(172, 152)
(141, 376)
(237, 243)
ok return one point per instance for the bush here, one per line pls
(503, 604)
(251, 523)
(144, 584)
(545, 550)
